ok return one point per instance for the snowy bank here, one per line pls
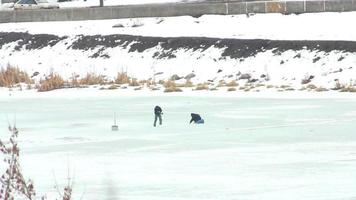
(261, 49)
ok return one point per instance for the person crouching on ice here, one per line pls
(158, 115)
(196, 119)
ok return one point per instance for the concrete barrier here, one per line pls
(256, 7)
(276, 7)
(314, 6)
(237, 8)
(338, 5)
(219, 7)
(295, 7)
(6, 16)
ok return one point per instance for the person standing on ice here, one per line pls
(196, 119)
(158, 115)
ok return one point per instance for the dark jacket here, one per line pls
(195, 117)
(158, 110)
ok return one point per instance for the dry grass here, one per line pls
(232, 84)
(13, 75)
(231, 89)
(93, 79)
(202, 86)
(74, 82)
(187, 83)
(122, 78)
(52, 82)
(222, 83)
(321, 89)
(170, 86)
(348, 89)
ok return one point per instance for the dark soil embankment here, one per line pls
(232, 48)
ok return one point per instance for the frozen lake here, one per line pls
(249, 148)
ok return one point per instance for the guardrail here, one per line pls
(178, 9)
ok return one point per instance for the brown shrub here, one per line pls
(13, 75)
(122, 78)
(202, 86)
(232, 84)
(170, 86)
(93, 79)
(52, 82)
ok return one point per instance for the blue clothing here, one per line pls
(200, 121)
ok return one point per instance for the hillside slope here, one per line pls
(190, 47)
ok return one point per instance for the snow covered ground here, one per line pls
(249, 148)
(270, 49)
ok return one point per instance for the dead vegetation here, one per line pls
(52, 82)
(13, 182)
(348, 89)
(93, 79)
(13, 77)
(170, 86)
(202, 86)
(232, 84)
(10, 76)
(122, 78)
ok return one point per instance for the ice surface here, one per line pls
(249, 148)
